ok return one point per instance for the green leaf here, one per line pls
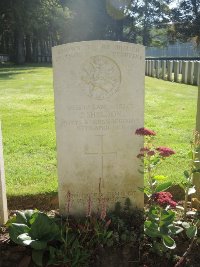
(145, 190)
(24, 237)
(163, 187)
(109, 234)
(160, 177)
(167, 216)
(10, 221)
(24, 217)
(151, 229)
(155, 161)
(153, 213)
(30, 213)
(17, 229)
(152, 232)
(38, 245)
(37, 256)
(186, 174)
(164, 230)
(44, 228)
(168, 242)
(185, 224)
(21, 218)
(176, 229)
(191, 231)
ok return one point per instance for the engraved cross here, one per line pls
(102, 155)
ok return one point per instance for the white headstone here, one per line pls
(152, 68)
(158, 69)
(191, 72)
(149, 67)
(185, 72)
(197, 73)
(176, 71)
(3, 199)
(164, 68)
(99, 103)
(169, 70)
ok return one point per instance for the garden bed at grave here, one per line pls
(125, 247)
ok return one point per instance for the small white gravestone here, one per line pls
(3, 199)
(99, 103)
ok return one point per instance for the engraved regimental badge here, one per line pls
(101, 77)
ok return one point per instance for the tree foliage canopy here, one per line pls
(186, 20)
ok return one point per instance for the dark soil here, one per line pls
(12, 255)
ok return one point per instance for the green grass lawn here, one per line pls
(27, 114)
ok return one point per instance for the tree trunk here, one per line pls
(19, 44)
(35, 50)
(28, 48)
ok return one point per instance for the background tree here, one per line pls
(30, 28)
(186, 20)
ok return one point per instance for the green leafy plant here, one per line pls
(160, 219)
(160, 224)
(34, 229)
(58, 240)
(151, 157)
(194, 167)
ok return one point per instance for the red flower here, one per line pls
(145, 151)
(145, 131)
(163, 199)
(165, 151)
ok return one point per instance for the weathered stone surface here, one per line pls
(3, 199)
(185, 72)
(196, 80)
(164, 69)
(176, 71)
(191, 72)
(158, 69)
(169, 70)
(99, 103)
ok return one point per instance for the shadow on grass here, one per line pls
(8, 72)
(11, 74)
(43, 202)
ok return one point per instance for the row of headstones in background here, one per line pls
(3, 199)
(187, 72)
(4, 58)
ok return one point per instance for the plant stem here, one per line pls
(185, 202)
(149, 175)
(182, 259)
(190, 180)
